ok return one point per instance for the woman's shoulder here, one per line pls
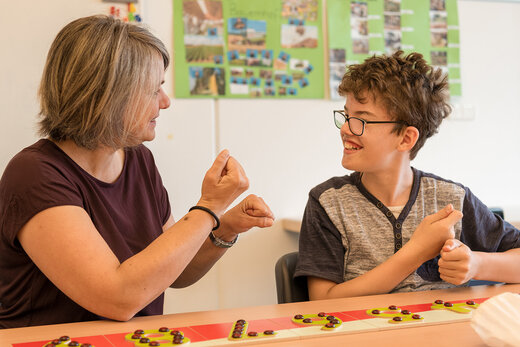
(42, 161)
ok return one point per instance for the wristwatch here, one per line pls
(221, 243)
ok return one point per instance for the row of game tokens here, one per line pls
(66, 341)
(157, 337)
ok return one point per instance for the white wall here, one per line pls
(286, 147)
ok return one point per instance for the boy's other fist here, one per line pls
(458, 264)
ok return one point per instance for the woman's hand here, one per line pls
(250, 212)
(223, 183)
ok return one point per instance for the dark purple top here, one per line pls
(129, 214)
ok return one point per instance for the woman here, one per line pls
(86, 228)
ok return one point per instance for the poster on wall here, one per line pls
(248, 49)
(360, 29)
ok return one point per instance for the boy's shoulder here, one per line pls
(430, 177)
(336, 182)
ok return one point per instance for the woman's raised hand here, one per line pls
(223, 183)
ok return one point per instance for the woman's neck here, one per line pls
(103, 163)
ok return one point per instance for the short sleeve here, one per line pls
(484, 231)
(29, 185)
(321, 252)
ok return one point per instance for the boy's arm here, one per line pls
(426, 242)
(489, 247)
(459, 264)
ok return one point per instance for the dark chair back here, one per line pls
(287, 289)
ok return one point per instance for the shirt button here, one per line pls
(379, 204)
(398, 235)
(398, 245)
(389, 214)
(398, 225)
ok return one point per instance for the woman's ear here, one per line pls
(409, 138)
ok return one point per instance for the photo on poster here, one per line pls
(337, 55)
(358, 9)
(287, 80)
(304, 82)
(255, 82)
(282, 91)
(255, 93)
(239, 86)
(294, 21)
(218, 59)
(256, 34)
(278, 75)
(300, 9)
(299, 36)
(206, 81)
(269, 91)
(392, 41)
(336, 72)
(439, 37)
(392, 6)
(292, 91)
(360, 45)
(298, 64)
(392, 22)
(252, 57)
(237, 72)
(266, 74)
(281, 62)
(438, 5)
(269, 83)
(267, 58)
(237, 34)
(203, 30)
(359, 27)
(297, 76)
(438, 20)
(439, 58)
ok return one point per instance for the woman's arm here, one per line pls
(250, 212)
(65, 245)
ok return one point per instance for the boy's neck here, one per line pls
(391, 187)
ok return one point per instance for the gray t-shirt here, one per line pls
(129, 214)
(346, 231)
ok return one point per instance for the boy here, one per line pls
(388, 226)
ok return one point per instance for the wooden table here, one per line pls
(454, 334)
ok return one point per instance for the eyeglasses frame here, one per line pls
(363, 121)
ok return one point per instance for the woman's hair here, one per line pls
(101, 74)
(412, 91)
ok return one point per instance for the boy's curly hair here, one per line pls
(411, 90)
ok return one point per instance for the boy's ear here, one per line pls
(408, 138)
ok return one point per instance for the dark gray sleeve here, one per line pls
(484, 231)
(321, 252)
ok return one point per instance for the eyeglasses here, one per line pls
(356, 125)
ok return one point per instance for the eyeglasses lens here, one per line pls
(339, 119)
(355, 125)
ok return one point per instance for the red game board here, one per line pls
(357, 321)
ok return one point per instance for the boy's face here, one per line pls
(376, 149)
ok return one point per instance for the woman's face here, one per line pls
(159, 101)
